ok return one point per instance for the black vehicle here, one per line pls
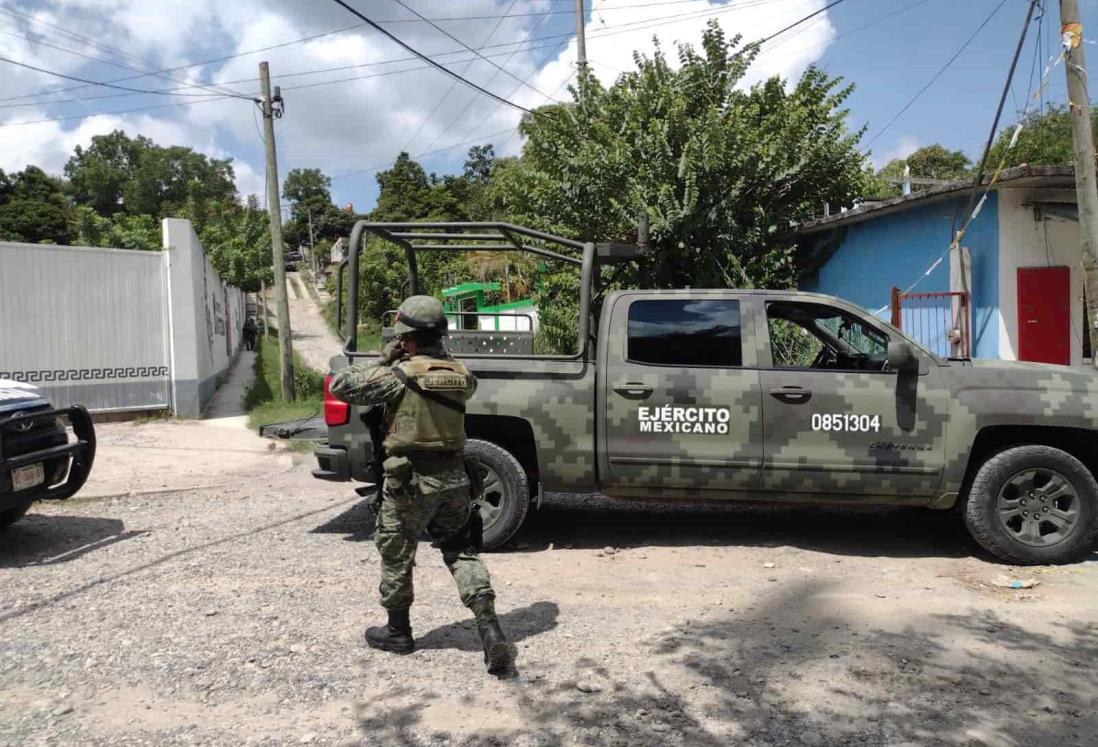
(38, 458)
(292, 259)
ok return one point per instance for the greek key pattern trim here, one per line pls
(85, 374)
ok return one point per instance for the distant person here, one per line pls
(249, 333)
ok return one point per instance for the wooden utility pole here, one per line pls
(581, 38)
(1082, 141)
(272, 107)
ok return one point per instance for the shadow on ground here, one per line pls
(594, 522)
(519, 624)
(795, 670)
(357, 522)
(39, 539)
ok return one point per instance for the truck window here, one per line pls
(806, 335)
(685, 333)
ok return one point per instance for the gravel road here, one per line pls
(234, 614)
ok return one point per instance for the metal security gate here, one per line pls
(942, 322)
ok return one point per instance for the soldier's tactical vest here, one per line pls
(421, 423)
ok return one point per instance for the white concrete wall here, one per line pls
(1025, 242)
(207, 316)
(86, 325)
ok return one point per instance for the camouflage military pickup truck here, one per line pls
(750, 395)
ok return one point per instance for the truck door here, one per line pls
(681, 406)
(836, 420)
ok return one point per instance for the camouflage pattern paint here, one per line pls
(918, 456)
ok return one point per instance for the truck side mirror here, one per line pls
(902, 358)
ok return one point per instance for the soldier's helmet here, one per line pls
(420, 314)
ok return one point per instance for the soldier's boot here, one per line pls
(395, 637)
(499, 655)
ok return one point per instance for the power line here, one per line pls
(515, 90)
(790, 27)
(113, 113)
(95, 45)
(612, 30)
(132, 92)
(425, 58)
(65, 76)
(641, 24)
(480, 139)
(499, 68)
(855, 30)
(423, 155)
(935, 77)
(453, 84)
(535, 14)
(189, 65)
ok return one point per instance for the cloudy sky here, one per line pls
(355, 99)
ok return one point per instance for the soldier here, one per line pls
(423, 390)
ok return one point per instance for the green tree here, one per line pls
(928, 162)
(722, 172)
(309, 191)
(97, 176)
(1045, 140)
(303, 185)
(238, 244)
(117, 173)
(405, 192)
(33, 208)
(121, 231)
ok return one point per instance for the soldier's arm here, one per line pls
(366, 384)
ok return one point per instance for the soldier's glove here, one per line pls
(391, 353)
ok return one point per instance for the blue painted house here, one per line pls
(1019, 270)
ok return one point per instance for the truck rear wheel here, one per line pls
(12, 515)
(506, 496)
(1033, 505)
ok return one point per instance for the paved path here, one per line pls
(227, 405)
(312, 339)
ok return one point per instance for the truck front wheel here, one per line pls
(506, 493)
(1033, 505)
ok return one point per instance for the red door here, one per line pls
(1044, 314)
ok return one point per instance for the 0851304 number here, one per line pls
(846, 422)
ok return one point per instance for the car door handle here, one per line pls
(791, 395)
(633, 390)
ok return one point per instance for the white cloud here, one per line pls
(362, 123)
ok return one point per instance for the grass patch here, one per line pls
(295, 287)
(369, 333)
(263, 400)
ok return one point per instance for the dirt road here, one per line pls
(234, 614)
(312, 339)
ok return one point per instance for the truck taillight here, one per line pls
(336, 411)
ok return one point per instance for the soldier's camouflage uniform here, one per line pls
(423, 489)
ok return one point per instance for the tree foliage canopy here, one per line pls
(721, 171)
(1045, 139)
(33, 208)
(313, 216)
(120, 174)
(929, 162)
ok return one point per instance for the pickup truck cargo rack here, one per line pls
(479, 237)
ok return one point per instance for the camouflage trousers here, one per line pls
(432, 493)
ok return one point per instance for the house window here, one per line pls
(685, 333)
